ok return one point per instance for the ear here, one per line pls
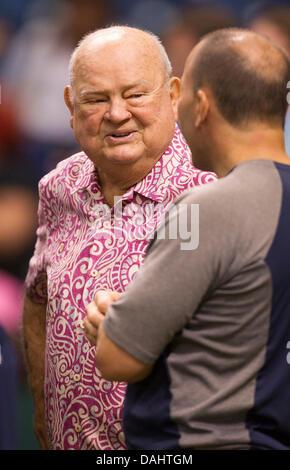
(202, 107)
(69, 103)
(175, 90)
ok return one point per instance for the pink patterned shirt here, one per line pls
(84, 246)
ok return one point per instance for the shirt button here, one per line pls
(61, 247)
(77, 377)
(94, 273)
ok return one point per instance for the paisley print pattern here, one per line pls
(83, 246)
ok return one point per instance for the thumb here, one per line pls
(104, 299)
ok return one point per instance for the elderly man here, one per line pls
(98, 211)
(205, 341)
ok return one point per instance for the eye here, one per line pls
(99, 100)
(92, 100)
(136, 95)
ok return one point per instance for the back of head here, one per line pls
(247, 75)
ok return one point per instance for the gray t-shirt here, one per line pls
(215, 319)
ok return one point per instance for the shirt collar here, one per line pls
(154, 185)
(87, 175)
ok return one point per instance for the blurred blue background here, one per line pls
(36, 40)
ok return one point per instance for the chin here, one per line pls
(125, 155)
(124, 158)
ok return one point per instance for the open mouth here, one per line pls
(117, 137)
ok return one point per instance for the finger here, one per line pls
(93, 314)
(90, 331)
(104, 299)
(89, 327)
(91, 338)
(116, 296)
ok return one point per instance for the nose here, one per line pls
(118, 111)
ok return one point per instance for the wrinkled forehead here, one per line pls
(119, 58)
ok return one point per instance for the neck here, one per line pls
(117, 179)
(237, 146)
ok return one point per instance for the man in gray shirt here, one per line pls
(202, 334)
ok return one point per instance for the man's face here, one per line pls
(122, 110)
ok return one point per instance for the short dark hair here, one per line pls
(244, 90)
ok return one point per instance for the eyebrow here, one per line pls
(88, 92)
(84, 93)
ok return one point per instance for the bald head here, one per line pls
(123, 37)
(246, 73)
